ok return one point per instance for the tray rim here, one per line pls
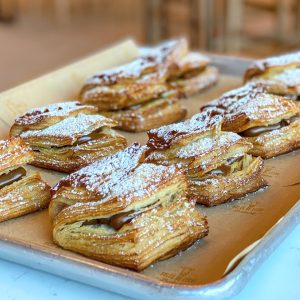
(130, 281)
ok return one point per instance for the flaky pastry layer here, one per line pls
(279, 74)
(94, 181)
(251, 106)
(212, 190)
(66, 132)
(179, 134)
(14, 153)
(23, 197)
(134, 83)
(276, 142)
(72, 158)
(43, 117)
(156, 234)
(132, 213)
(150, 115)
(190, 86)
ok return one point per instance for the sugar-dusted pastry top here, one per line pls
(210, 143)
(167, 54)
(148, 66)
(39, 118)
(133, 191)
(120, 179)
(14, 153)
(191, 62)
(67, 131)
(166, 136)
(277, 62)
(109, 169)
(251, 106)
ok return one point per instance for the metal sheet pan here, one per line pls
(215, 267)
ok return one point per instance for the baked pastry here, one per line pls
(280, 74)
(192, 75)
(270, 122)
(66, 139)
(148, 115)
(139, 81)
(127, 213)
(218, 165)
(43, 117)
(20, 192)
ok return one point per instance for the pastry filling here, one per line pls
(116, 221)
(11, 177)
(187, 74)
(95, 135)
(226, 167)
(256, 131)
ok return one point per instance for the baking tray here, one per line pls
(242, 233)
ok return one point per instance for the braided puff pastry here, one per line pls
(270, 122)
(137, 82)
(280, 74)
(128, 213)
(148, 115)
(20, 193)
(193, 75)
(218, 165)
(67, 142)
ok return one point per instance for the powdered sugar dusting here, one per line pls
(70, 128)
(208, 144)
(290, 77)
(11, 148)
(291, 58)
(153, 63)
(63, 109)
(164, 136)
(112, 168)
(253, 101)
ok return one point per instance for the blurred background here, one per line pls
(37, 36)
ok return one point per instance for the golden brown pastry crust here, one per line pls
(152, 114)
(160, 221)
(134, 83)
(40, 118)
(23, 197)
(279, 74)
(87, 183)
(181, 133)
(283, 140)
(67, 132)
(26, 194)
(251, 106)
(71, 158)
(196, 84)
(192, 75)
(74, 141)
(14, 153)
(215, 189)
(203, 150)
